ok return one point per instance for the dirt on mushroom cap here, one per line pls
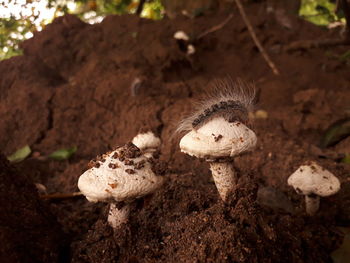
(314, 179)
(116, 179)
(201, 143)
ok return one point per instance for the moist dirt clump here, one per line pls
(28, 231)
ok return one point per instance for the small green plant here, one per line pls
(335, 133)
(63, 154)
(20, 154)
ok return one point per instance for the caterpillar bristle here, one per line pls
(230, 99)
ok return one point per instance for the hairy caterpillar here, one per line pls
(230, 99)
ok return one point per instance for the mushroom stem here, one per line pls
(118, 216)
(312, 203)
(224, 177)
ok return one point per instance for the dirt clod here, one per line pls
(130, 171)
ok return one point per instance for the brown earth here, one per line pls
(75, 86)
(28, 231)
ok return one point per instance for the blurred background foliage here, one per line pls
(20, 18)
(320, 12)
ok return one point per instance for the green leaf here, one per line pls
(346, 159)
(319, 12)
(335, 133)
(322, 9)
(63, 154)
(20, 154)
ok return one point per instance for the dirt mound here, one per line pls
(97, 86)
(186, 221)
(28, 231)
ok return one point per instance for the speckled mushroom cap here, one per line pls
(146, 141)
(123, 175)
(218, 139)
(314, 179)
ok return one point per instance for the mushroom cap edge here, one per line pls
(218, 139)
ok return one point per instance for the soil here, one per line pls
(97, 86)
(28, 231)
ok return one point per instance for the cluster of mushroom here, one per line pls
(219, 139)
(123, 175)
(184, 40)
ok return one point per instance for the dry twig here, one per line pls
(346, 9)
(308, 44)
(140, 7)
(215, 28)
(255, 39)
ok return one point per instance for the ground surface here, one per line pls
(75, 86)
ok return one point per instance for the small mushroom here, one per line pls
(235, 139)
(181, 35)
(184, 42)
(147, 142)
(118, 179)
(191, 49)
(313, 181)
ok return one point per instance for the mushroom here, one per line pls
(313, 181)
(119, 177)
(184, 42)
(181, 35)
(191, 49)
(217, 141)
(147, 142)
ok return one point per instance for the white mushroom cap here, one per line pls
(114, 179)
(146, 141)
(181, 35)
(313, 179)
(191, 49)
(218, 138)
